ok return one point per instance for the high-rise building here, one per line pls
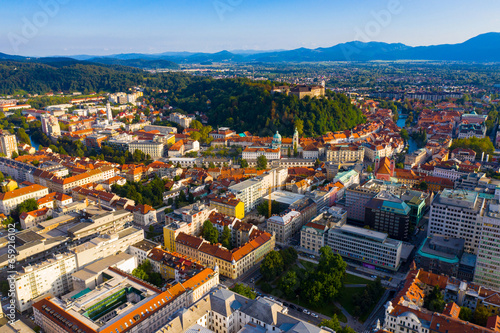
(388, 213)
(488, 252)
(51, 276)
(8, 143)
(50, 126)
(458, 214)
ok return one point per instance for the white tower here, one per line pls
(109, 114)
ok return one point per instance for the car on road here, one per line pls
(306, 312)
(285, 303)
(292, 307)
(373, 276)
(299, 309)
(314, 315)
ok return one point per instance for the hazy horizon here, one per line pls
(66, 27)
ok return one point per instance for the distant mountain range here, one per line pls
(482, 48)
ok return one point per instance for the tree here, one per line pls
(263, 208)
(369, 169)
(15, 155)
(400, 165)
(289, 283)
(434, 301)
(404, 134)
(272, 265)
(210, 233)
(261, 162)
(334, 324)
(244, 290)
(2, 177)
(289, 256)
(226, 237)
(243, 163)
(23, 137)
(481, 315)
(26, 206)
(465, 314)
(423, 186)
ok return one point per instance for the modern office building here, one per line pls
(458, 214)
(440, 255)
(487, 272)
(388, 213)
(369, 247)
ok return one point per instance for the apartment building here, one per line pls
(155, 149)
(231, 264)
(284, 226)
(251, 191)
(181, 119)
(8, 144)
(188, 220)
(51, 276)
(144, 215)
(458, 214)
(50, 126)
(229, 205)
(10, 200)
(312, 237)
(345, 154)
(104, 223)
(416, 158)
(142, 249)
(365, 246)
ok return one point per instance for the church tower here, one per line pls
(109, 114)
(276, 141)
(295, 141)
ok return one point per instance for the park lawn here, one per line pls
(345, 299)
(308, 265)
(354, 279)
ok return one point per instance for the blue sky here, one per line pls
(70, 27)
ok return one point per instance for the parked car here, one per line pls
(299, 309)
(306, 312)
(292, 306)
(285, 303)
(314, 315)
(373, 276)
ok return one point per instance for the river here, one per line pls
(34, 144)
(412, 145)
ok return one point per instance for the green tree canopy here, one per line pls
(210, 233)
(261, 162)
(272, 265)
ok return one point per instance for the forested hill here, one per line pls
(242, 104)
(65, 76)
(245, 105)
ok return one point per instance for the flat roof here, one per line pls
(284, 197)
(375, 235)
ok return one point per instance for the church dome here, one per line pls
(277, 136)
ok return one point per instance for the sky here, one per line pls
(104, 27)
